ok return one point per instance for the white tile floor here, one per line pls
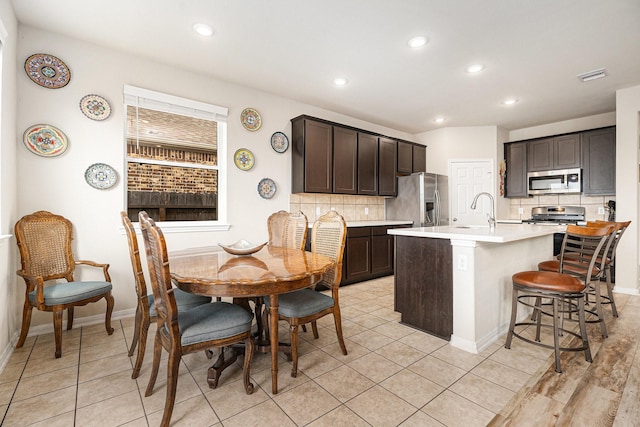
(393, 375)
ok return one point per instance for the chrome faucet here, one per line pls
(490, 216)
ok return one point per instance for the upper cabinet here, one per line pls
(560, 152)
(599, 162)
(515, 155)
(387, 167)
(329, 157)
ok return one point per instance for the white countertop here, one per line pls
(373, 223)
(481, 233)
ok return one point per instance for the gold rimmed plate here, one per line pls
(47, 70)
(251, 119)
(243, 159)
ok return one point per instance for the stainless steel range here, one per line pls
(557, 215)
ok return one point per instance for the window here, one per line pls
(175, 157)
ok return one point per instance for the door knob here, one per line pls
(455, 219)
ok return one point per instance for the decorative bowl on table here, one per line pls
(242, 247)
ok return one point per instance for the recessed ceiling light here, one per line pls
(509, 101)
(417, 41)
(203, 29)
(439, 119)
(340, 81)
(475, 68)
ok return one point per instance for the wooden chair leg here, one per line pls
(136, 331)
(157, 352)
(69, 318)
(249, 348)
(172, 385)
(141, 332)
(293, 334)
(26, 322)
(314, 328)
(57, 331)
(107, 317)
(337, 319)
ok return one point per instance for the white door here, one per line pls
(466, 179)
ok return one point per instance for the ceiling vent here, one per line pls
(592, 75)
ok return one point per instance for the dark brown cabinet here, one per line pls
(345, 160)
(367, 164)
(405, 158)
(311, 157)
(560, 152)
(599, 162)
(368, 253)
(515, 155)
(387, 167)
(419, 158)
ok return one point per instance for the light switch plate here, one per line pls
(520, 211)
(601, 210)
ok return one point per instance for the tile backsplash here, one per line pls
(590, 203)
(352, 208)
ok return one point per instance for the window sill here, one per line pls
(185, 227)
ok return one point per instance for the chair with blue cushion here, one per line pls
(307, 305)
(145, 309)
(218, 324)
(48, 266)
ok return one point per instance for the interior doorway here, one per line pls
(466, 179)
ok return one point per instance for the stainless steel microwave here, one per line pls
(563, 181)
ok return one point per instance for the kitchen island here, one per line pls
(455, 281)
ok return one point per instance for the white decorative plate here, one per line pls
(95, 107)
(47, 71)
(101, 176)
(250, 119)
(242, 247)
(266, 188)
(45, 140)
(279, 142)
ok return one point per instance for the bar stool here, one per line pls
(572, 261)
(566, 292)
(609, 261)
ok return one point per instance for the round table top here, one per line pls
(271, 270)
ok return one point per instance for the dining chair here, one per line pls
(572, 261)
(276, 226)
(295, 231)
(218, 324)
(145, 308)
(581, 245)
(44, 241)
(308, 305)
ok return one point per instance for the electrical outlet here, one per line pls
(520, 211)
(601, 210)
(317, 210)
(366, 211)
(461, 263)
(333, 209)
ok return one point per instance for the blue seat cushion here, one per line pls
(213, 321)
(70, 292)
(184, 301)
(302, 303)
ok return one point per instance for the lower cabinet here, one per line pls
(368, 254)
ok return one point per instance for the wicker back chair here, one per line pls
(44, 241)
(218, 324)
(295, 231)
(276, 226)
(306, 305)
(145, 309)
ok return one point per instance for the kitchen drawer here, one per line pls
(358, 232)
(380, 230)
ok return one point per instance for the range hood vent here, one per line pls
(592, 75)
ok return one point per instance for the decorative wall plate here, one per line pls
(101, 176)
(250, 119)
(47, 71)
(45, 140)
(243, 159)
(95, 107)
(279, 142)
(266, 188)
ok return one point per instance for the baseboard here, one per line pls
(48, 328)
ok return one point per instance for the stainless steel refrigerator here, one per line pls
(422, 198)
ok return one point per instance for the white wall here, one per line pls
(9, 293)
(627, 199)
(566, 126)
(57, 184)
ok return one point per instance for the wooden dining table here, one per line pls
(269, 272)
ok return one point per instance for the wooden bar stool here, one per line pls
(564, 291)
(574, 259)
